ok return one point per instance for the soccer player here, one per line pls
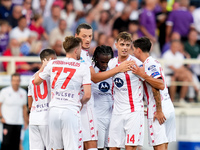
(39, 97)
(126, 126)
(67, 76)
(103, 101)
(162, 129)
(84, 31)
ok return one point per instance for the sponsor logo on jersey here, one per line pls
(155, 74)
(104, 86)
(119, 82)
(152, 68)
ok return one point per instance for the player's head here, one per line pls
(141, 45)
(84, 31)
(101, 57)
(123, 44)
(47, 54)
(73, 45)
(15, 81)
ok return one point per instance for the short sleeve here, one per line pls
(30, 88)
(170, 20)
(86, 75)
(46, 72)
(25, 97)
(153, 70)
(110, 64)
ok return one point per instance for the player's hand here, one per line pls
(45, 62)
(160, 117)
(126, 66)
(140, 71)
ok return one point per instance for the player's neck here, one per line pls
(144, 56)
(69, 55)
(122, 58)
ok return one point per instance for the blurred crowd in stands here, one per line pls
(173, 26)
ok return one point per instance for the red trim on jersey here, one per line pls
(40, 77)
(129, 91)
(30, 96)
(85, 50)
(147, 94)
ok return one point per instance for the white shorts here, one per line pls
(38, 137)
(126, 129)
(103, 129)
(64, 129)
(89, 126)
(165, 133)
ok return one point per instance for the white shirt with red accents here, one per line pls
(67, 75)
(153, 68)
(41, 95)
(128, 89)
(85, 57)
(103, 100)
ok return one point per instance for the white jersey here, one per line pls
(85, 57)
(12, 105)
(128, 89)
(67, 75)
(41, 95)
(154, 69)
(102, 97)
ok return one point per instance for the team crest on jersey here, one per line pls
(81, 59)
(104, 86)
(119, 82)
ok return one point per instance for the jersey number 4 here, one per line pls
(131, 139)
(37, 91)
(65, 70)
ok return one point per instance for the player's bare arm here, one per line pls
(30, 101)
(140, 71)
(158, 114)
(123, 67)
(38, 80)
(87, 93)
(25, 115)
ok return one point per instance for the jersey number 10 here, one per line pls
(37, 91)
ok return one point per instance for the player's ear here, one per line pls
(75, 35)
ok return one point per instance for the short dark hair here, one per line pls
(20, 18)
(105, 50)
(143, 43)
(124, 36)
(71, 42)
(82, 26)
(15, 75)
(46, 53)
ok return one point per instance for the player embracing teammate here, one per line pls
(125, 75)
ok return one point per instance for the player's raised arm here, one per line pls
(38, 80)
(155, 82)
(123, 67)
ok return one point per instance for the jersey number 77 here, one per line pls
(65, 70)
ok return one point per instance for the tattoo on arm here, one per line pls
(157, 97)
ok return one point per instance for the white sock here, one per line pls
(92, 149)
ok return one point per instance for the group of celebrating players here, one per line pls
(77, 103)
